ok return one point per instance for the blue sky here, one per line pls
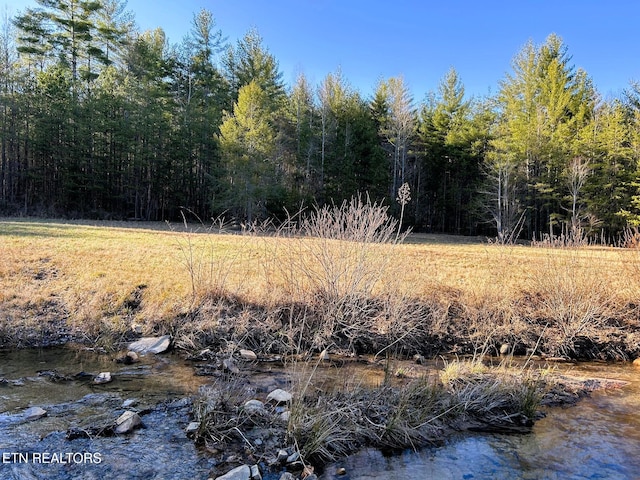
(420, 40)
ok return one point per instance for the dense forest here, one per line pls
(100, 120)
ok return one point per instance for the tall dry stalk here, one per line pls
(208, 268)
(404, 197)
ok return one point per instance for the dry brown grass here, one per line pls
(104, 277)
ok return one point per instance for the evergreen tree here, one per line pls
(151, 166)
(543, 106)
(115, 27)
(249, 61)
(303, 116)
(247, 140)
(66, 28)
(453, 133)
(9, 75)
(201, 94)
(612, 188)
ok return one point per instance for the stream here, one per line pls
(39, 449)
(597, 438)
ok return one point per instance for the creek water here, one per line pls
(597, 438)
(39, 449)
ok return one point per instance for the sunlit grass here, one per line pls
(95, 272)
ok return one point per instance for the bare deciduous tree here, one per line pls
(502, 201)
(577, 172)
(399, 124)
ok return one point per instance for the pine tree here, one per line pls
(200, 94)
(66, 28)
(453, 132)
(543, 106)
(249, 61)
(247, 140)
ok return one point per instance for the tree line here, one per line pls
(100, 120)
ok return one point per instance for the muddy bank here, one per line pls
(440, 327)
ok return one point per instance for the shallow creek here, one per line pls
(598, 438)
(159, 384)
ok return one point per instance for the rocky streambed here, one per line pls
(68, 413)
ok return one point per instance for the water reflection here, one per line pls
(598, 438)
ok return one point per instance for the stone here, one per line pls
(229, 365)
(254, 407)
(285, 416)
(282, 456)
(294, 457)
(279, 396)
(151, 345)
(192, 428)
(52, 375)
(248, 355)
(287, 476)
(129, 402)
(103, 377)
(136, 328)
(341, 471)
(131, 357)
(127, 422)
(255, 473)
(242, 472)
(505, 349)
(34, 413)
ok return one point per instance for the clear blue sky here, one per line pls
(420, 40)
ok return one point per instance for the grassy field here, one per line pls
(100, 281)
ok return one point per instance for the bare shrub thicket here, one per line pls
(574, 237)
(487, 310)
(208, 268)
(570, 299)
(212, 258)
(341, 265)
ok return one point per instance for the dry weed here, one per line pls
(572, 299)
